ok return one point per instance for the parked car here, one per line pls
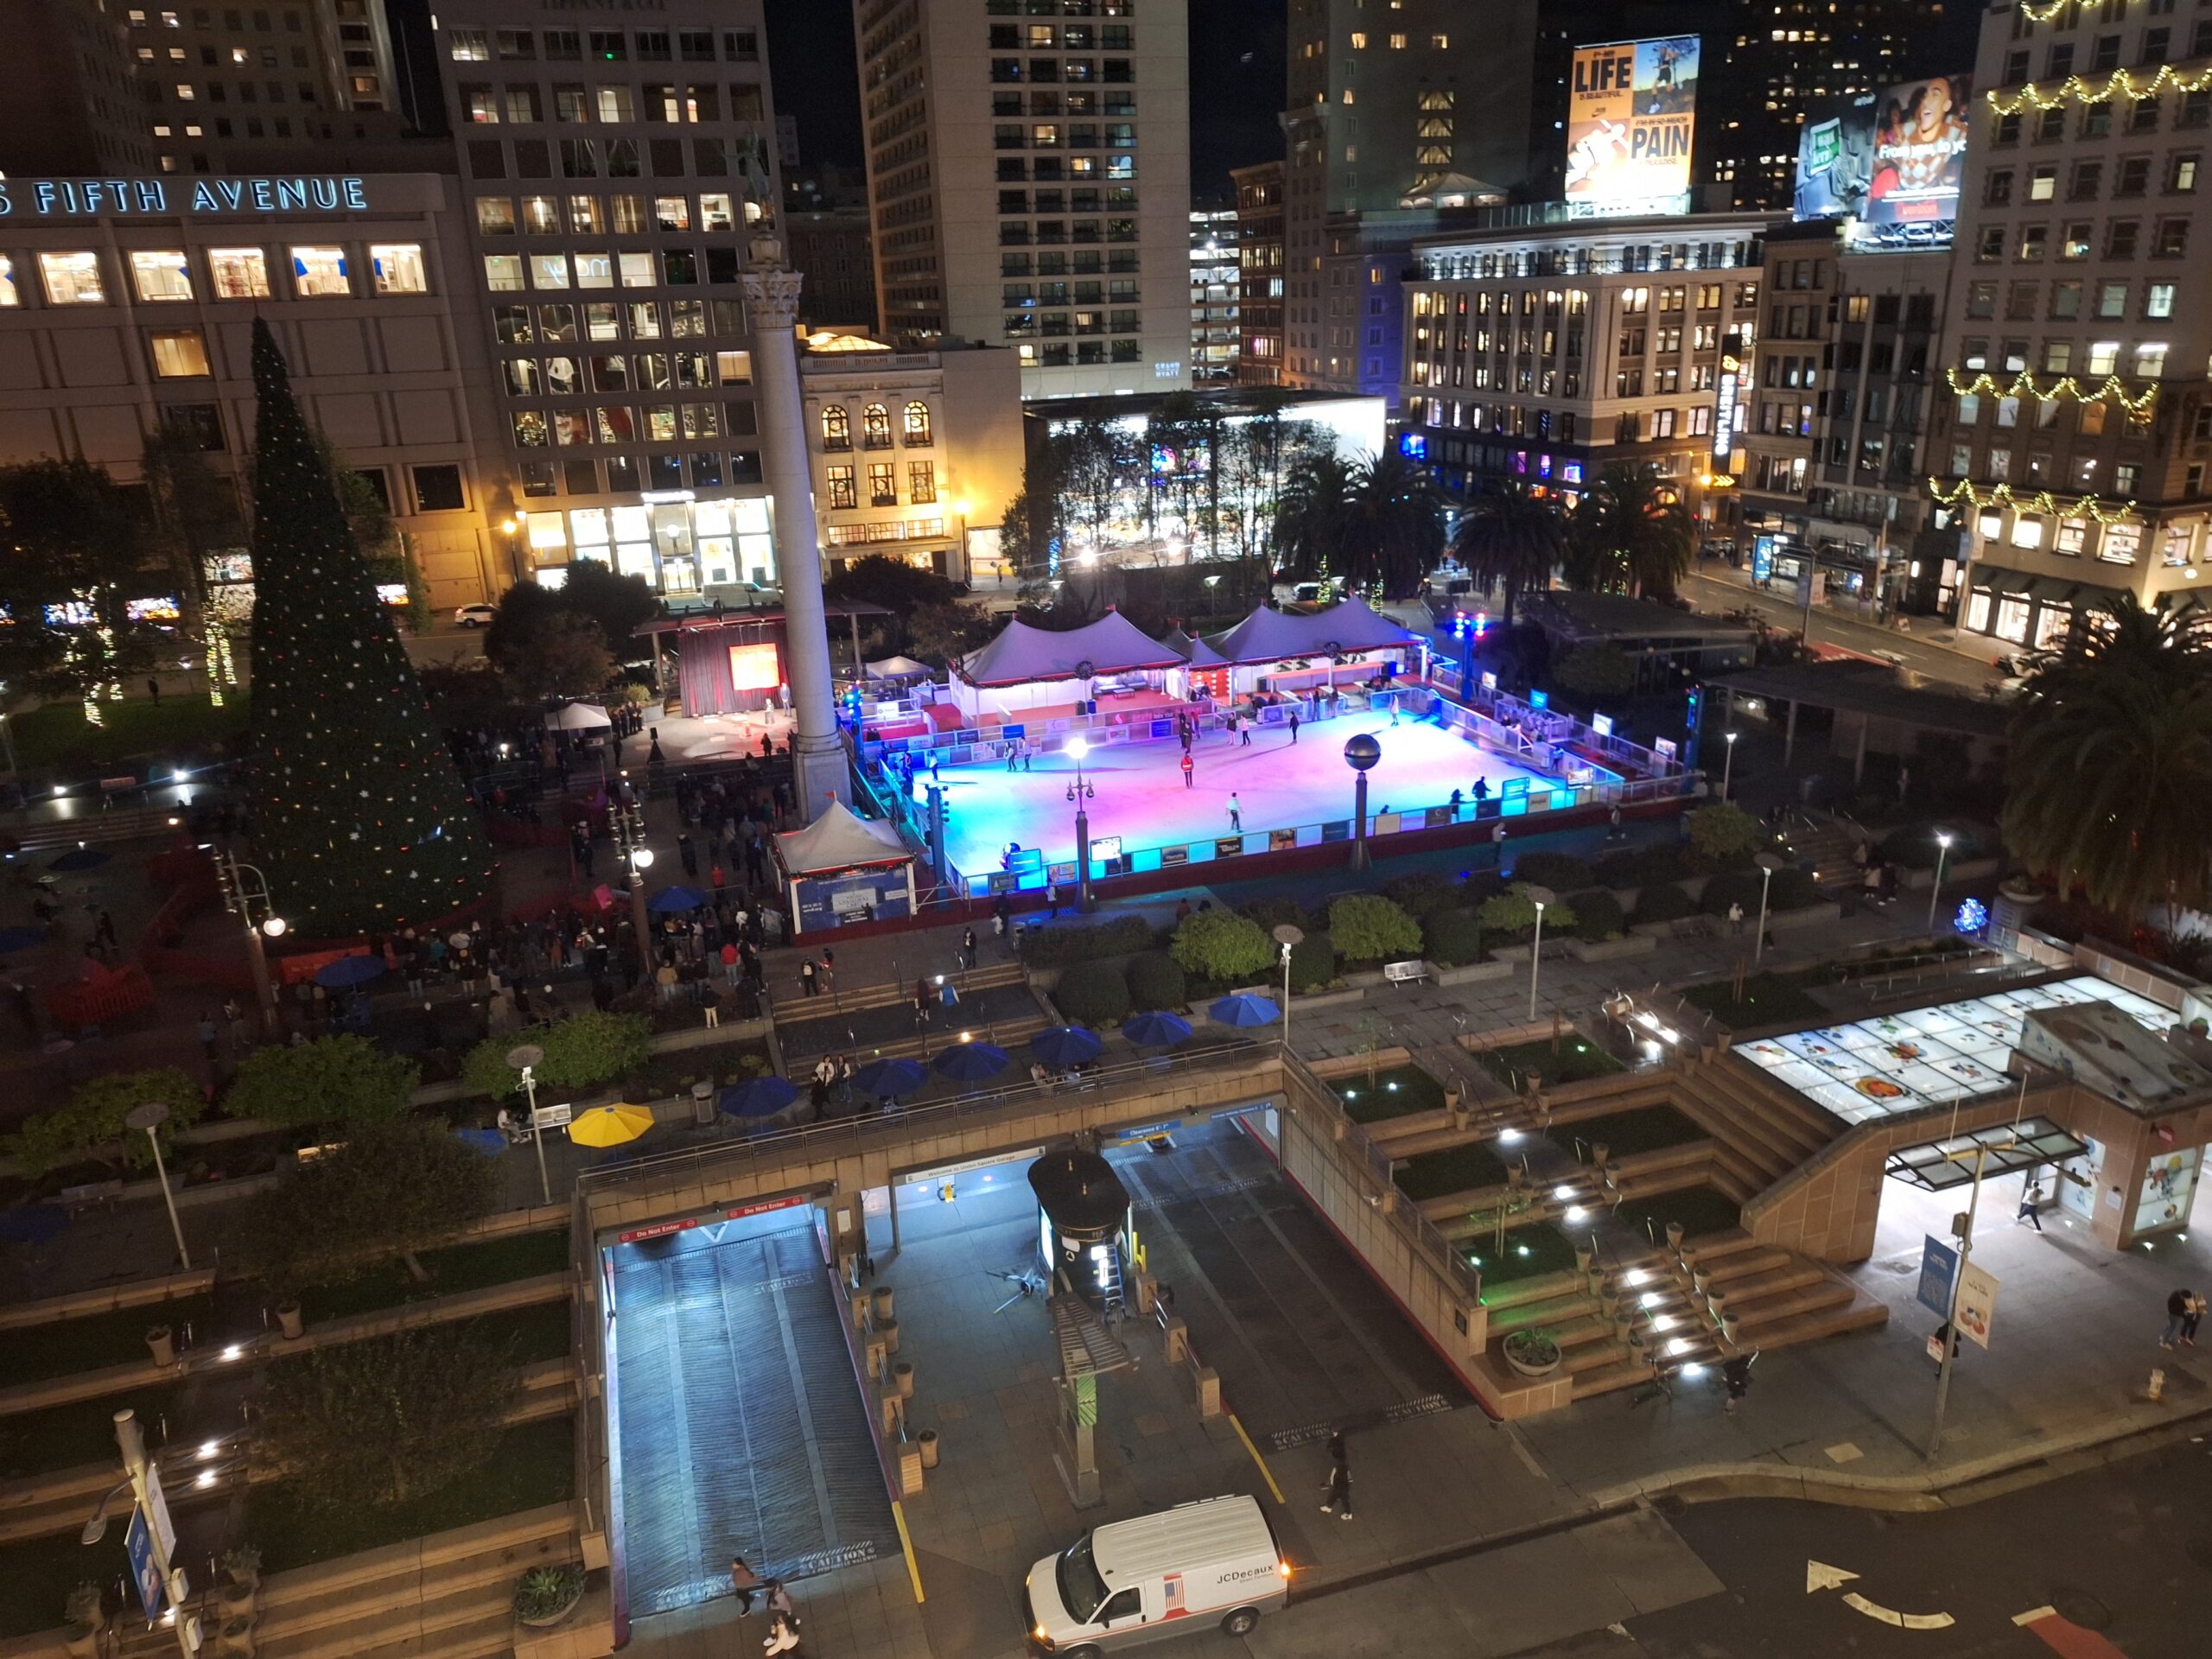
(476, 616)
(1210, 1563)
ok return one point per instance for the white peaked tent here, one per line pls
(839, 839)
(1031, 668)
(578, 717)
(1272, 636)
(843, 867)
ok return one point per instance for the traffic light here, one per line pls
(1693, 721)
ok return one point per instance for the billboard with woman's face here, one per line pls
(1892, 164)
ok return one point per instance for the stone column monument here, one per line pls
(820, 772)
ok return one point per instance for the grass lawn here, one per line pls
(1646, 1129)
(540, 1332)
(1578, 1057)
(57, 734)
(1700, 1209)
(1530, 1252)
(1449, 1169)
(1769, 1000)
(63, 1437)
(35, 1353)
(532, 1466)
(1396, 1091)
(457, 1268)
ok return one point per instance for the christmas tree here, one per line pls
(360, 820)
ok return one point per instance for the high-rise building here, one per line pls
(1215, 340)
(1390, 108)
(96, 87)
(1259, 261)
(609, 174)
(1029, 177)
(2074, 430)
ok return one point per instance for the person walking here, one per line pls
(967, 947)
(922, 1001)
(2031, 1204)
(1236, 814)
(1735, 919)
(806, 977)
(2179, 1307)
(1053, 892)
(208, 1036)
(779, 1603)
(1293, 726)
(2188, 1320)
(745, 1581)
(1244, 735)
(1187, 769)
(1336, 1490)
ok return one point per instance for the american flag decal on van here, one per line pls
(1175, 1608)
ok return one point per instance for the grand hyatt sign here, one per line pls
(177, 198)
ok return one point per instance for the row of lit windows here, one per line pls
(2098, 359)
(1023, 325)
(621, 215)
(599, 424)
(605, 319)
(883, 485)
(673, 267)
(2022, 299)
(1085, 353)
(2130, 177)
(698, 469)
(567, 377)
(664, 104)
(79, 276)
(600, 45)
(916, 430)
(2076, 240)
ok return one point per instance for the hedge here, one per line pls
(1093, 994)
(1561, 872)
(1223, 946)
(1367, 927)
(1156, 980)
(1420, 896)
(1450, 938)
(1731, 887)
(1054, 947)
(1644, 867)
(1597, 915)
(1662, 901)
(1313, 961)
(1793, 890)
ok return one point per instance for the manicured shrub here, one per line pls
(1793, 890)
(1723, 835)
(1450, 938)
(1513, 914)
(1561, 872)
(1421, 895)
(1479, 886)
(1313, 962)
(1367, 927)
(1274, 912)
(1055, 946)
(1597, 916)
(1662, 901)
(1093, 994)
(1223, 946)
(1156, 981)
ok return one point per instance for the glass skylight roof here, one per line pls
(1902, 1063)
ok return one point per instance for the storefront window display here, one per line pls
(2169, 1188)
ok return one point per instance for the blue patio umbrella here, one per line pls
(490, 1142)
(80, 858)
(32, 1223)
(1156, 1030)
(22, 939)
(1245, 1009)
(341, 972)
(891, 1078)
(972, 1061)
(757, 1097)
(669, 902)
(1061, 1045)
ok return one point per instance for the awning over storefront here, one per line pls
(2002, 1149)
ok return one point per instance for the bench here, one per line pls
(1401, 973)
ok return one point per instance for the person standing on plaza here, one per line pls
(806, 977)
(1336, 1490)
(1236, 814)
(1293, 726)
(967, 947)
(2178, 1309)
(1187, 769)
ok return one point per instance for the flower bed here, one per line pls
(1396, 1091)
(1449, 1169)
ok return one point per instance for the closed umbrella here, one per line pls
(972, 1061)
(890, 1078)
(490, 1142)
(32, 1223)
(609, 1126)
(81, 858)
(671, 901)
(1064, 1046)
(1156, 1030)
(1245, 1009)
(342, 971)
(757, 1097)
(22, 939)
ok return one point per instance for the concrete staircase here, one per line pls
(1829, 845)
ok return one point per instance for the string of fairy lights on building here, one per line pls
(2118, 84)
(1977, 497)
(2025, 384)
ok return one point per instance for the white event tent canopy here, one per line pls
(1029, 668)
(1305, 650)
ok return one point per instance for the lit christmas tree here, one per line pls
(360, 820)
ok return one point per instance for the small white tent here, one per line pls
(843, 868)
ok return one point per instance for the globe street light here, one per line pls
(1934, 891)
(1539, 897)
(1727, 766)
(1288, 936)
(1080, 792)
(524, 1057)
(149, 1118)
(1768, 863)
(1361, 754)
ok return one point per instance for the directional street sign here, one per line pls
(1939, 1271)
(138, 1544)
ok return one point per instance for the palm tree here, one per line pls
(1310, 519)
(1393, 529)
(2110, 762)
(1631, 531)
(1511, 540)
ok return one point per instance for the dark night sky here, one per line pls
(1237, 76)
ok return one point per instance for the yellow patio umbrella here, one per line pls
(610, 1126)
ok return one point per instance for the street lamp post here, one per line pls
(144, 1486)
(1768, 863)
(508, 527)
(524, 1057)
(1539, 897)
(1728, 765)
(242, 899)
(1289, 937)
(628, 819)
(1080, 792)
(149, 1118)
(1361, 754)
(1935, 888)
(1964, 1228)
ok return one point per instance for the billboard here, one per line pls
(1631, 111)
(1889, 163)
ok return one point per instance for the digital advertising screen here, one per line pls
(1632, 115)
(753, 668)
(1890, 164)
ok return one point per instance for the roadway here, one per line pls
(1714, 595)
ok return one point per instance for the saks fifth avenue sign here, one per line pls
(83, 198)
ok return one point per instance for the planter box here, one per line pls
(1474, 973)
(1629, 944)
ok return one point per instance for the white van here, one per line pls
(1210, 1563)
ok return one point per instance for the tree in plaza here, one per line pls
(1510, 541)
(1631, 531)
(360, 820)
(79, 548)
(581, 1053)
(1221, 945)
(617, 605)
(89, 1125)
(544, 649)
(1311, 516)
(1394, 524)
(335, 1080)
(384, 1420)
(2109, 765)
(395, 1187)
(940, 632)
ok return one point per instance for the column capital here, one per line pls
(771, 288)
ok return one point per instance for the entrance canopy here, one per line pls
(1271, 636)
(2002, 1149)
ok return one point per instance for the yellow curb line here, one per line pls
(906, 1543)
(1265, 1473)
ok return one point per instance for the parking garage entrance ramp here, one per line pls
(741, 1430)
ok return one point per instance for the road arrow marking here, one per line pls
(1819, 1575)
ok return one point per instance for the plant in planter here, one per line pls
(1533, 1352)
(86, 1617)
(546, 1595)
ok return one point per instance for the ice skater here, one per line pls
(1293, 726)
(1236, 814)
(1187, 769)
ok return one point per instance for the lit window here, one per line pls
(319, 273)
(917, 422)
(397, 267)
(1441, 43)
(495, 216)
(637, 269)
(184, 93)
(161, 275)
(8, 298)
(1397, 42)
(733, 368)
(238, 273)
(503, 272)
(2104, 357)
(2151, 360)
(179, 356)
(470, 45)
(595, 271)
(72, 278)
(549, 271)
(1359, 41)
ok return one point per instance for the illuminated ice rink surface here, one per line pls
(1141, 799)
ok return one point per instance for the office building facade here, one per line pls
(1215, 338)
(1259, 273)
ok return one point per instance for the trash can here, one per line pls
(902, 1377)
(927, 1441)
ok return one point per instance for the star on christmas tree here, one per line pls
(360, 820)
